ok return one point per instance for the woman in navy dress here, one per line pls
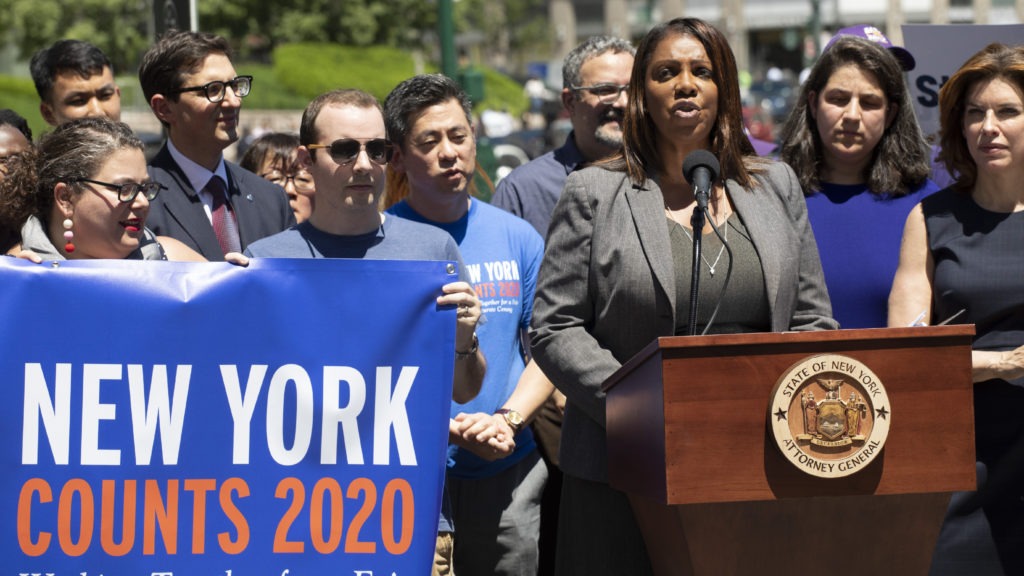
(963, 253)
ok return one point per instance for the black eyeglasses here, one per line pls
(216, 91)
(606, 93)
(128, 191)
(302, 180)
(346, 150)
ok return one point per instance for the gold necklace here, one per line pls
(725, 237)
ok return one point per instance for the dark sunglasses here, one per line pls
(128, 191)
(347, 150)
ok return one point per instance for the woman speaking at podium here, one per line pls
(617, 267)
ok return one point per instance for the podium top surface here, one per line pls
(715, 342)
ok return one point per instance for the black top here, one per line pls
(744, 305)
(979, 268)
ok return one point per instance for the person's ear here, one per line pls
(397, 160)
(62, 194)
(46, 111)
(568, 100)
(162, 108)
(303, 158)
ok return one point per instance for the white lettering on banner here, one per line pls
(303, 432)
(163, 412)
(346, 417)
(55, 413)
(242, 407)
(147, 415)
(93, 411)
(156, 411)
(390, 413)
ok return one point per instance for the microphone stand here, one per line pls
(697, 224)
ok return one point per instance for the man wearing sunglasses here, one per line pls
(213, 206)
(495, 495)
(344, 149)
(594, 78)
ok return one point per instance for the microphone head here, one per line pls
(699, 158)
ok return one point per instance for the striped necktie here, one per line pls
(224, 224)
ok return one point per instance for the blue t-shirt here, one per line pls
(396, 239)
(502, 255)
(859, 236)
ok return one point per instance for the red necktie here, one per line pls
(224, 225)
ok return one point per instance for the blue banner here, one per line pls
(289, 418)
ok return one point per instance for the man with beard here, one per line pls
(213, 206)
(594, 80)
(595, 76)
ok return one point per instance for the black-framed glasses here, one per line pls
(606, 93)
(216, 91)
(129, 190)
(346, 150)
(302, 180)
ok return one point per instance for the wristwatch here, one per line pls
(472, 349)
(513, 418)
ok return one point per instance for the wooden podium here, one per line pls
(690, 440)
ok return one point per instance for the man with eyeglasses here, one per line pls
(495, 494)
(213, 206)
(74, 79)
(595, 76)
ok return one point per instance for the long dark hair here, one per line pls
(900, 161)
(728, 141)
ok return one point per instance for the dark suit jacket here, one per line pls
(261, 207)
(607, 288)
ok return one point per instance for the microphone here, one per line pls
(701, 169)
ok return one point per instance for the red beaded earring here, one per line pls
(69, 246)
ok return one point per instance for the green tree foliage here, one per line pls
(310, 69)
(256, 27)
(118, 27)
(264, 25)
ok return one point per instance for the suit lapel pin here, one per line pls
(248, 197)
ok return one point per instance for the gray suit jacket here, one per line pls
(607, 287)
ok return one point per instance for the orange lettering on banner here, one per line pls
(199, 488)
(336, 517)
(235, 515)
(352, 543)
(281, 543)
(154, 511)
(86, 519)
(28, 547)
(387, 516)
(108, 502)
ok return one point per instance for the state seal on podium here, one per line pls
(830, 415)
